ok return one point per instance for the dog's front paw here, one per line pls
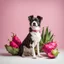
(39, 55)
(34, 57)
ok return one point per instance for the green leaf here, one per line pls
(16, 50)
(46, 36)
(42, 36)
(51, 37)
(9, 49)
(41, 42)
(49, 33)
(44, 40)
(46, 32)
(12, 50)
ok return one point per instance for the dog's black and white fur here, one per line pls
(33, 38)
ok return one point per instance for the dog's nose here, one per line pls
(34, 24)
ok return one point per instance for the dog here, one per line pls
(33, 38)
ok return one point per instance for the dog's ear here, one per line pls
(30, 18)
(39, 18)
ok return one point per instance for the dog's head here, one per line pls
(35, 22)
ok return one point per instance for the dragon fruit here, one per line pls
(53, 53)
(16, 39)
(48, 47)
(46, 38)
(13, 47)
(13, 44)
(47, 44)
(54, 44)
(50, 55)
(12, 50)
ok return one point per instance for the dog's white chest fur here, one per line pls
(36, 37)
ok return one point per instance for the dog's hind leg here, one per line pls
(20, 50)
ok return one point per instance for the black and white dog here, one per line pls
(33, 38)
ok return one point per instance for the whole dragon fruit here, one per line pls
(47, 44)
(13, 47)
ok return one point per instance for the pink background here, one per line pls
(14, 18)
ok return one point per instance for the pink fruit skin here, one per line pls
(50, 55)
(45, 48)
(13, 44)
(49, 46)
(53, 44)
(16, 40)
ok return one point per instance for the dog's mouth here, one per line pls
(37, 28)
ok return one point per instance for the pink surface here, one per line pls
(14, 18)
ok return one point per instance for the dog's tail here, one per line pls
(20, 50)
